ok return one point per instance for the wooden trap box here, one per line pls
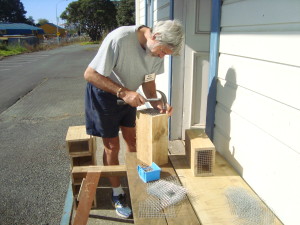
(78, 142)
(152, 137)
(83, 161)
(200, 152)
(82, 152)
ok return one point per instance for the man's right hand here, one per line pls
(132, 98)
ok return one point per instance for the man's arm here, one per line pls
(149, 89)
(133, 98)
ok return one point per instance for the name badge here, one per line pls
(149, 77)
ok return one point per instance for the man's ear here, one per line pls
(153, 36)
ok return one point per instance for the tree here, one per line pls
(12, 11)
(30, 20)
(42, 21)
(126, 13)
(95, 17)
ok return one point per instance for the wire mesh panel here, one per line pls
(205, 162)
(164, 196)
(152, 208)
(247, 208)
(167, 192)
(150, 111)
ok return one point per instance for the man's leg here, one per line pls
(129, 136)
(111, 156)
(112, 148)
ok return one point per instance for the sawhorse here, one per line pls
(185, 214)
(89, 185)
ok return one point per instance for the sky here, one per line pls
(45, 9)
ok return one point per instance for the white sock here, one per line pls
(118, 191)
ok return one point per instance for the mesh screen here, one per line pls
(205, 161)
(150, 111)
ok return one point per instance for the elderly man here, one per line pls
(128, 57)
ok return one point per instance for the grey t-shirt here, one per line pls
(122, 58)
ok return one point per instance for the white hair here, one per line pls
(170, 33)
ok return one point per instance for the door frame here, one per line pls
(183, 75)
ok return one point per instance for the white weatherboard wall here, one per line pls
(140, 12)
(258, 99)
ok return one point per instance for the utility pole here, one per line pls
(57, 19)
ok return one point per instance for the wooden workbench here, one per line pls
(185, 214)
(207, 194)
(206, 203)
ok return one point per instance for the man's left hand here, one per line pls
(168, 109)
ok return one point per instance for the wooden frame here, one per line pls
(90, 176)
(200, 152)
(82, 151)
(78, 142)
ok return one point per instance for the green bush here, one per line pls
(3, 47)
(6, 50)
(90, 43)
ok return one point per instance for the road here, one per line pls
(41, 95)
(22, 73)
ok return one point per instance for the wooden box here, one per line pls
(78, 142)
(83, 161)
(152, 137)
(200, 152)
(82, 152)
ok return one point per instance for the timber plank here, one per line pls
(207, 194)
(116, 170)
(185, 214)
(87, 196)
(80, 172)
(138, 193)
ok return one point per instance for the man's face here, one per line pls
(155, 49)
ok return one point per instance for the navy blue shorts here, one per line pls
(102, 114)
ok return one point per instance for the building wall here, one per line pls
(140, 14)
(258, 107)
(51, 30)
